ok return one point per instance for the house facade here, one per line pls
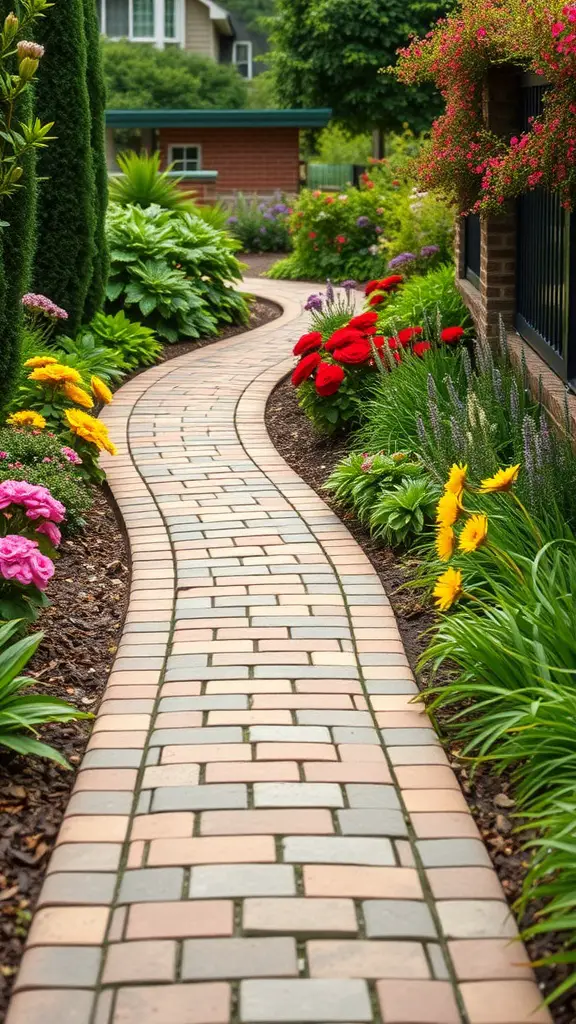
(201, 26)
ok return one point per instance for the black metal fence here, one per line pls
(546, 267)
(472, 249)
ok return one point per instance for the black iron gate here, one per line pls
(546, 266)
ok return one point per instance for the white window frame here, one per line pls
(185, 145)
(249, 61)
(159, 39)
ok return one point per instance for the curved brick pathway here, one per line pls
(264, 828)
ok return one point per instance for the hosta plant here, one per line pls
(359, 479)
(127, 340)
(401, 513)
(165, 299)
(21, 711)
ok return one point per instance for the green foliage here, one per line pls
(21, 711)
(251, 11)
(338, 145)
(328, 53)
(142, 182)
(339, 412)
(420, 220)
(97, 101)
(402, 513)
(66, 208)
(176, 269)
(358, 479)
(425, 297)
(139, 76)
(260, 226)
(128, 340)
(262, 93)
(64, 483)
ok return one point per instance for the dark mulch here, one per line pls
(82, 628)
(490, 797)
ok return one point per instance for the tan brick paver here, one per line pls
(264, 828)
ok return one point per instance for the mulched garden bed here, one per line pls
(490, 797)
(82, 627)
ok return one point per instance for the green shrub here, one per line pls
(64, 484)
(430, 297)
(97, 102)
(358, 479)
(423, 223)
(22, 712)
(339, 412)
(89, 358)
(143, 183)
(133, 344)
(260, 226)
(401, 514)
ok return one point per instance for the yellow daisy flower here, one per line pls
(448, 589)
(502, 480)
(473, 534)
(55, 374)
(78, 395)
(448, 509)
(40, 361)
(456, 479)
(27, 418)
(100, 390)
(445, 539)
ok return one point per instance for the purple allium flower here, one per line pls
(232, 220)
(363, 222)
(349, 285)
(313, 302)
(429, 250)
(329, 293)
(401, 259)
(40, 304)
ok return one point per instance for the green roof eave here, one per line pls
(218, 118)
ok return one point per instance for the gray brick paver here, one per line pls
(223, 533)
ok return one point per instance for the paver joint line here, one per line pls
(264, 828)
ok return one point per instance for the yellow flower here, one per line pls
(40, 361)
(448, 589)
(100, 390)
(90, 429)
(78, 395)
(27, 418)
(55, 373)
(502, 480)
(445, 539)
(448, 509)
(456, 479)
(473, 534)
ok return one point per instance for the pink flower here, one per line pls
(71, 455)
(4, 455)
(21, 560)
(557, 28)
(37, 501)
(51, 531)
(481, 33)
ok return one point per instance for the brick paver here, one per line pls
(264, 828)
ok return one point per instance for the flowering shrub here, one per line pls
(260, 226)
(472, 165)
(29, 533)
(421, 237)
(41, 314)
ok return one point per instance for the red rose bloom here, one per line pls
(343, 336)
(305, 368)
(390, 284)
(421, 347)
(408, 334)
(328, 379)
(312, 235)
(376, 299)
(363, 321)
(379, 341)
(308, 343)
(341, 239)
(371, 287)
(452, 334)
(357, 352)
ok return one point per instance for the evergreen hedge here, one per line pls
(97, 100)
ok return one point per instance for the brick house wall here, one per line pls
(250, 160)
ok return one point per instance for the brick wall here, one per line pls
(259, 160)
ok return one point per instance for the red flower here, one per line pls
(408, 334)
(305, 368)
(343, 336)
(308, 343)
(328, 379)
(363, 321)
(421, 347)
(452, 334)
(341, 239)
(379, 341)
(371, 287)
(357, 352)
(312, 235)
(390, 284)
(376, 299)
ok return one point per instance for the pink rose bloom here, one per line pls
(21, 560)
(51, 531)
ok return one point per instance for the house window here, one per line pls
(143, 19)
(242, 58)
(184, 158)
(135, 19)
(170, 19)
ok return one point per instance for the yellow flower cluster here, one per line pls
(90, 429)
(27, 418)
(55, 375)
(100, 390)
(474, 533)
(78, 395)
(36, 361)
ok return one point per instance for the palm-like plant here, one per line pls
(21, 712)
(142, 182)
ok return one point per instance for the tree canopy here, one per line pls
(330, 53)
(140, 77)
(251, 10)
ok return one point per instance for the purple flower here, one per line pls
(232, 220)
(313, 302)
(363, 222)
(269, 216)
(280, 208)
(263, 230)
(329, 293)
(40, 304)
(429, 250)
(349, 285)
(401, 259)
